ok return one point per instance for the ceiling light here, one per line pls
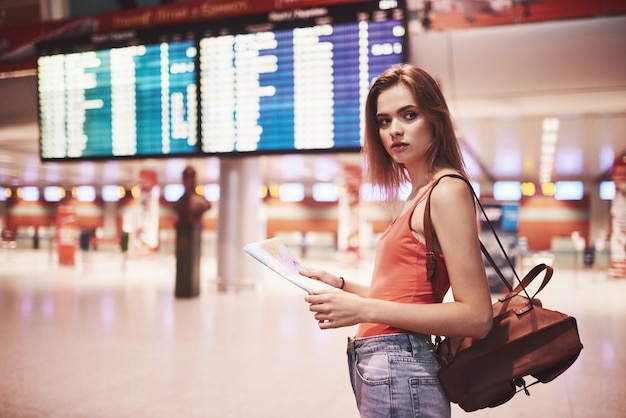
(551, 124)
(549, 137)
(528, 189)
(548, 149)
(547, 189)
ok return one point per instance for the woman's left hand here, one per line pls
(335, 309)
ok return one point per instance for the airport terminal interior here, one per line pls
(108, 338)
(91, 321)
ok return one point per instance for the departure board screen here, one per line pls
(130, 101)
(297, 82)
(292, 80)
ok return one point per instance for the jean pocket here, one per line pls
(428, 398)
(373, 368)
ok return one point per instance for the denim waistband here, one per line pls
(389, 342)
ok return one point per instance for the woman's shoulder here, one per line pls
(450, 178)
(449, 187)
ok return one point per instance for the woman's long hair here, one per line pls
(444, 151)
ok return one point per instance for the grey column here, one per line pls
(240, 220)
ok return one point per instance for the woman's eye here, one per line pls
(410, 115)
(383, 122)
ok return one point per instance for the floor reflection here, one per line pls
(108, 338)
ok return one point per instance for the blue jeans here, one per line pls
(395, 376)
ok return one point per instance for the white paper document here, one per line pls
(275, 255)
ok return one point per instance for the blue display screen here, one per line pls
(283, 82)
(128, 101)
(296, 89)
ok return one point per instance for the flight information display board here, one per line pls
(129, 101)
(297, 82)
(286, 81)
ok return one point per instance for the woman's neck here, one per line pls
(419, 179)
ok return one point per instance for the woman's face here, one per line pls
(404, 132)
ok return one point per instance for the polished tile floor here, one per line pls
(107, 338)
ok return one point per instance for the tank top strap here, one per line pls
(422, 196)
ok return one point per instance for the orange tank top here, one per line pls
(400, 271)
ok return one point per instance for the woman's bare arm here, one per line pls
(454, 220)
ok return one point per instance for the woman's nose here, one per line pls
(395, 127)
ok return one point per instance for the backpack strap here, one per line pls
(430, 236)
(431, 257)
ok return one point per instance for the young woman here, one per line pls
(409, 136)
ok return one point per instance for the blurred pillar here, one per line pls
(618, 221)
(239, 221)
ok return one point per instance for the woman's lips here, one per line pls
(398, 145)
